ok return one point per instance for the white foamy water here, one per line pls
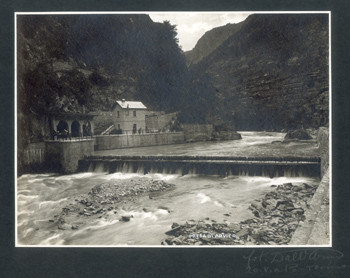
(42, 197)
(193, 197)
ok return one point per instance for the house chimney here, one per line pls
(123, 100)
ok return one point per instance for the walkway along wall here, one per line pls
(109, 142)
(63, 155)
(315, 229)
(323, 145)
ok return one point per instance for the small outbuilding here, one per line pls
(129, 117)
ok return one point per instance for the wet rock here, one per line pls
(147, 209)
(299, 211)
(126, 218)
(190, 223)
(173, 231)
(176, 241)
(269, 204)
(235, 227)
(242, 233)
(75, 227)
(285, 205)
(175, 225)
(64, 226)
(274, 221)
(300, 134)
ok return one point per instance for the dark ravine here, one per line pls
(274, 220)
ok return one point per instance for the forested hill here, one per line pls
(66, 61)
(268, 72)
(272, 73)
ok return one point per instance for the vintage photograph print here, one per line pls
(173, 129)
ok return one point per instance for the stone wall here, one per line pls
(159, 121)
(323, 145)
(63, 156)
(103, 121)
(197, 132)
(108, 142)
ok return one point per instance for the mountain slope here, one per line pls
(210, 41)
(271, 74)
(72, 63)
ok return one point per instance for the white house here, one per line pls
(129, 116)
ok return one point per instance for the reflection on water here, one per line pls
(41, 197)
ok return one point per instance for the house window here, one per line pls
(134, 113)
(134, 129)
(127, 112)
(118, 124)
(118, 114)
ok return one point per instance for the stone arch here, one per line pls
(75, 127)
(62, 125)
(87, 128)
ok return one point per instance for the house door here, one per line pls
(134, 129)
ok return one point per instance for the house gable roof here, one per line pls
(129, 104)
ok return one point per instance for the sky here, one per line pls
(192, 26)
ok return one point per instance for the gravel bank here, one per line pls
(275, 219)
(105, 200)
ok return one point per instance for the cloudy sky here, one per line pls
(192, 26)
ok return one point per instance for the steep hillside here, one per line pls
(210, 41)
(271, 74)
(71, 63)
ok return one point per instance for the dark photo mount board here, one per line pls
(177, 262)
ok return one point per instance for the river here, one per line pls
(42, 196)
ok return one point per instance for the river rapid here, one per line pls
(41, 197)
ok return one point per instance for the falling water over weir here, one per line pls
(222, 166)
(220, 187)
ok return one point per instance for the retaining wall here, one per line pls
(108, 142)
(315, 229)
(323, 145)
(63, 156)
(197, 132)
(159, 121)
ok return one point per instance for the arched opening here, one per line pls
(75, 129)
(61, 126)
(62, 130)
(86, 128)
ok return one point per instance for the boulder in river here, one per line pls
(126, 218)
(300, 134)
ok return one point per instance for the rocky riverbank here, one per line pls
(274, 220)
(105, 200)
